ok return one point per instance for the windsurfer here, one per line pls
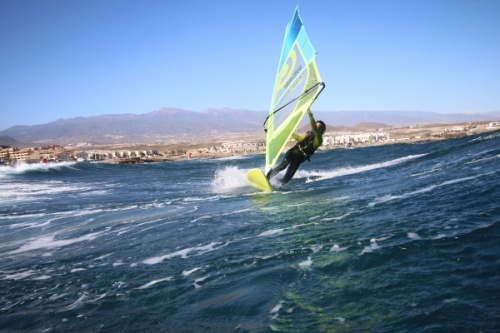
(305, 147)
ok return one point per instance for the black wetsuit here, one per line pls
(302, 151)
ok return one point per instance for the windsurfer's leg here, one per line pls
(282, 166)
(292, 168)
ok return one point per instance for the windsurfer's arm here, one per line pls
(313, 122)
(318, 138)
(297, 137)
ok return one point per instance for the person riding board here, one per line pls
(305, 147)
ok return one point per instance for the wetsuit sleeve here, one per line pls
(318, 138)
(298, 137)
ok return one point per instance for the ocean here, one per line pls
(387, 238)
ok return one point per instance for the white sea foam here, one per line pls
(439, 236)
(45, 242)
(483, 159)
(77, 303)
(19, 276)
(427, 172)
(10, 193)
(277, 307)
(74, 270)
(450, 300)
(20, 168)
(306, 264)
(337, 248)
(205, 217)
(373, 246)
(184, 253)
(196, 285)
(413, 235)
(139, 225)
(275, 310)
(28, 225)
(203, 198)
(336, 218)
(270, 232)
(387, 198)
(316, 248)
(149, 284)
(381, 239)
(229, 178)
(187, 273)
(315, 176)
(231, 158)
(103, 256)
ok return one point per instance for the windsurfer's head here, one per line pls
(321, 127)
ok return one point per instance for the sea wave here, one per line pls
(313, 176)
(21, 168)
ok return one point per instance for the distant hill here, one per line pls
(164, 125)
(174, 125)
(371, 126)
(401, 118)
(8, 141)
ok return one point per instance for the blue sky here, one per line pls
(64, 59)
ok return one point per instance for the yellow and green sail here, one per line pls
(298, 83)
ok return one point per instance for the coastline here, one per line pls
(236, 145)
(407, 134)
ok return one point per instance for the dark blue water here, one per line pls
(395, 238)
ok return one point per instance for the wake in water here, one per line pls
(313, 176)
(231, 178)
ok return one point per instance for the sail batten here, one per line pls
(298, 83)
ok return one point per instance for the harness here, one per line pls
(306, 146)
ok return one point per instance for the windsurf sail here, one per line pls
(298, 84)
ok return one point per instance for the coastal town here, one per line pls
(132, 154)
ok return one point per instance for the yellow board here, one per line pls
(257, 178)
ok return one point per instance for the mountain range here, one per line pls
(169, 125)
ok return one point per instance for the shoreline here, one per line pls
(410, 134)
(230, 147)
